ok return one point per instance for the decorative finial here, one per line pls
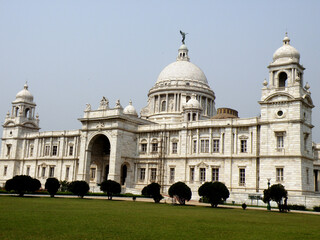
(183, 36)
(286, 39)
(265, 83)
(26, 85)
(307, 86)
(130, 102)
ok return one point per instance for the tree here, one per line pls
(181, 192)
(79, 188)
(22, 184)
(52, 185)
(152, 190)
(110, 187)
(276, 193)
(64, 186)
(215, 192)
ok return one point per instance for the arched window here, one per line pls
(189, 118)
(17, 112)
(194, 117)
(163, 106)
(26, 112)
(282, 79)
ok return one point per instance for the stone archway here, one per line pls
(99, 150)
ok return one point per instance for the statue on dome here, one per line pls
(183, 36)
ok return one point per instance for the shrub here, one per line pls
(316, 208)
(79, 188)
(214, 192)
(244, 206)
(22, 184)
(110, 187)
(152, 190)
(181, 192)
(296, 207)
(52, 185)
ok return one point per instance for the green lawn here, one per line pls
(59, 218)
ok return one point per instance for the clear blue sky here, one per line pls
(73, 52)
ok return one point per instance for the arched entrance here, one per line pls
(99, 159)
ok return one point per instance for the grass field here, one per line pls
(61, 218)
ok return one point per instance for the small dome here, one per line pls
(182, 70)
(24, 95)
(192, 103)
(130, 110)
(286, 52)
(183, 47)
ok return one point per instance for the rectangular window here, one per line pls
(70, 150)
(280, 141)
(202, 174)
(51, 171)
(174, 147)
(172, 173)
(153, 174)
(142, 174)
(279, 174)
(204, 146)
(28, 170)
(194, 146)
(216, 145)
(43, 172)
(38, 171)
(154, 147)
(242, 176)
(307, 175)
(54, 150)
(92, 174)
(67, 173)
(31, 152)
(243, 146)
(191, 175)
(144, 147)
(215, 174)
(5, 169)
(47, 150)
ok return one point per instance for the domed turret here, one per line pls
(192, 103)
(24, 95)
(130, 110)
(286, 53)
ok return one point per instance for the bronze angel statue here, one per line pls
(183, 36)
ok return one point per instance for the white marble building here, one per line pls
(179, 136)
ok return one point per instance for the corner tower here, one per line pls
(174, 88)
(286, 128)
(18, 123)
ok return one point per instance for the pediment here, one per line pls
(9, 123)
(308, 99)
(202, 165)
(279, 97)
(29, 124)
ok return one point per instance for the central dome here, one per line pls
(182, 70)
